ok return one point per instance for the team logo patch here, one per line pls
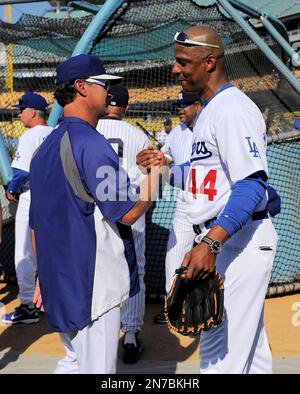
(17, 156)
(200, 151)
(253, 147)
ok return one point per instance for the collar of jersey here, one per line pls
(224, 87)
(74, 119)
(111, 118)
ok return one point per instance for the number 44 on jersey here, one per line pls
(207, 186)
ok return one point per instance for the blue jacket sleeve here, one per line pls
(19, 178)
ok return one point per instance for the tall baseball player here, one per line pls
(228, 204)
(178, 148)
(127, 141)
(84, 244)
(32, 108)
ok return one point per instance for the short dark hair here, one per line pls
(65, 93)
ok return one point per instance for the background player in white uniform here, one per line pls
(127, 142)
(178, 148)
(227, 201)
(32, 114)
(163, 134)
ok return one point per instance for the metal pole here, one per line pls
(281, 41)
(273, 25)
(9, 76)
(274, 59)
(282, 136)
(85, 43)
(254, 12)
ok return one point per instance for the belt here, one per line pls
(255, 216)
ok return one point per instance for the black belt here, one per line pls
(255, 216)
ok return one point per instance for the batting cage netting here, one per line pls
(137, 44)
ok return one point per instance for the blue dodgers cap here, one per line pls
(167, 121)
(82, 66)
(297, 124)
(188, 97)
(32, 100)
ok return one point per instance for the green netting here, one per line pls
(137, 44)
(284, 166)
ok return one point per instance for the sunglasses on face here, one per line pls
(183, 105)
(182, 38)
(22, 110)
(105, 84)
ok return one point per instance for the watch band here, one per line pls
(214, 245)
(207, 240)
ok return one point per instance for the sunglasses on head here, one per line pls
(182, 38)
(104, 83)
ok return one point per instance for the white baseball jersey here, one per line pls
(162, 136)
(178, 148)
(229, 144)
(178, 144)
(28, 144)
(128, 141)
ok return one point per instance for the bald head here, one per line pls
(206, 35)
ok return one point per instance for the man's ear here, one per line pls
(198, 105)
(80, 87)
(211, 62)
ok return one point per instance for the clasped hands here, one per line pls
(151, 157)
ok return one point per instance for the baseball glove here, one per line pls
(193, 305)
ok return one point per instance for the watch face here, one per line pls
(216, 247)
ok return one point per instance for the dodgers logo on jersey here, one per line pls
(200, 151)
(253, 147)
(17, 156)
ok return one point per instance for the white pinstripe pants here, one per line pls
(240, 345)
(181, 240)
(25, 260)
(133, 309)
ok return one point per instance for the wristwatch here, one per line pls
(214, 245)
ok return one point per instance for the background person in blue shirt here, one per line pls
(85, 251)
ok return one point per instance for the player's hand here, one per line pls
(10, 196)
(151, 157)
(148, 157)
(37, 297)
(200, 262)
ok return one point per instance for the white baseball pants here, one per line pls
(181, 240)
(240, 345)
(92, 350)
(133, 309)
(25, 260)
